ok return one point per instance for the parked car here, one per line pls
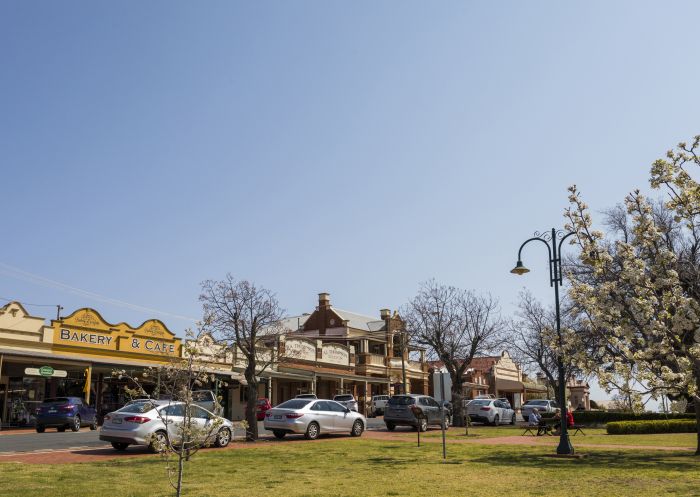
(263, 405)
(490, 411)
(400, 412)
(207, 399)
(156, 422)
(542, 405)
(379, 404)
(306, 396)
(313, 417)
(65, 412)
(346, 400)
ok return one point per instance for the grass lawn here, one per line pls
(363, 467)
(593, 436)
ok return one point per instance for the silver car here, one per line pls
(312, 417)
(542, 405)
(490, 411)
(157, 422)
(347, 400)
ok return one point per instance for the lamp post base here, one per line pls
(565, 448)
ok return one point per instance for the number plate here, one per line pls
(117, 421)
(52, 410)
(278, 416)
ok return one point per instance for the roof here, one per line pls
(293, 323)
(478, 363)
(360, 322)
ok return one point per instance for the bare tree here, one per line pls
(247, 320)
(531, 336)
(455, 326)
(189, 428)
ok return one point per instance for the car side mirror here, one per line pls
(347, 410)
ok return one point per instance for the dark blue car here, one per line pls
(65, 412)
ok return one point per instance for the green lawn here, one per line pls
(364, 467)
(596, 436)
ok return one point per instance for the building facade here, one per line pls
(326, 352)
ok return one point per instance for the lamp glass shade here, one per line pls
(519, 269)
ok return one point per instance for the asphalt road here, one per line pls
(53, 440)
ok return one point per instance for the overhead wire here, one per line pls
(20, 274)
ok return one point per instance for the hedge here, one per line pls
(602, 417)
(646, 427)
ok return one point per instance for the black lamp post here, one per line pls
(553, 241)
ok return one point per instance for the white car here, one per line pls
(157, 422)
(379, 404)
(542, 405)
(346, 400)
(490, 411)
(313, 417)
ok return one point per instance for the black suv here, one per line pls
(400, 412)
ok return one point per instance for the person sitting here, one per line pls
(569, 419)
(534, 419)
(557, 424)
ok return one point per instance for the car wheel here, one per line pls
(93, 425)
(223, 437)
(495, 420)
(159, 441)
(390, 426)
(40, 428)
(120, 445)
(61, 428)
(357, 428)
(423, 424)
(312, 431)
(76, 424)
(279, 434)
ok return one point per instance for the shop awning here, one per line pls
(503, 385)
(534, 387)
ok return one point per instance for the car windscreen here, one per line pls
(537, 403)
(480, 402)
(342, 398)
(57, 401)
(201, 396)
(138, 407)
(294, 404)
(401, 401)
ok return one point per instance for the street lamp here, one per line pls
(555, 238)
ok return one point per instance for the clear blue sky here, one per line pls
(356, 148)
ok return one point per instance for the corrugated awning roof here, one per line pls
(503, 385)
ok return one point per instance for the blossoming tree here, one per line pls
(639, 295)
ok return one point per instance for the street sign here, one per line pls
(46, 372)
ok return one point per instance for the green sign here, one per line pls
(46, 371)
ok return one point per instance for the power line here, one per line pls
(27, 303)
(20, 274)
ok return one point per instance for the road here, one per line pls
(85, 438)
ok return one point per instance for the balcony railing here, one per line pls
(371, 359)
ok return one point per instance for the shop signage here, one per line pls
(46, 371)
(300, 349)
(335, 354)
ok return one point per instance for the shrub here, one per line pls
(646, 427)
(602, 417)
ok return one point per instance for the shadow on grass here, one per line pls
(678, 461)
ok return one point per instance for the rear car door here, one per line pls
(322, 415)
(201, 422)
(173, 416)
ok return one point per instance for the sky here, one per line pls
(357, 148)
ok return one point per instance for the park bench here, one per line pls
(577, 429)
(532, 430)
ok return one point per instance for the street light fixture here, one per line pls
(553, 241)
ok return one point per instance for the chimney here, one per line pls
(324, 300)
(384, 313)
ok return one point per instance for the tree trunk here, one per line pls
(457, 410)
(696, 401)
(180, 469)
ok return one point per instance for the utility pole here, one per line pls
(59, 308)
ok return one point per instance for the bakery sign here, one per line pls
(87, 329)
